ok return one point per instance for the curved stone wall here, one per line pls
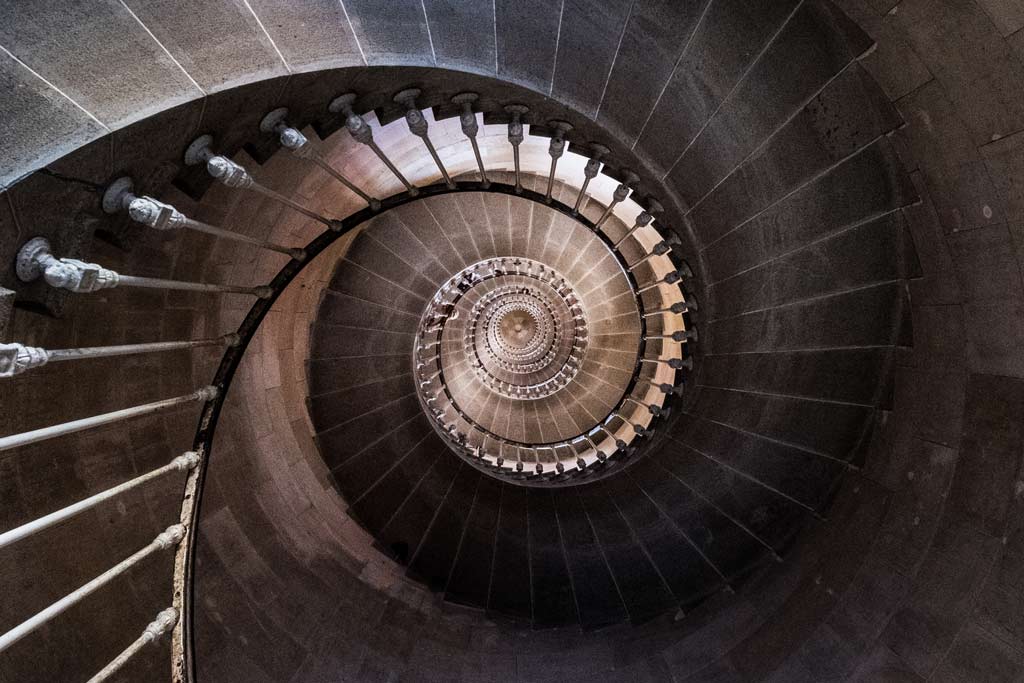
(916, 572)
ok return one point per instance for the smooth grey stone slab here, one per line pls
(849, 114)
(313, 34)
(98, 55)
(462, 34)
(655, 35)
(831, 429)
(995, 329)
(937, 141)
(1004, 159)
(850, 376)
(862, 317)
(391, 31)
(894, 63)
(471, 576)
(979, 72)
(852, 259)
(987, 264)
(554, 603)
(863, 188)
(723, 47)
(41, 124)
(219, 43)
(803, 476)
(527, 31)
(925, 627)
(588, 40)
(818, 37)
(642, 589)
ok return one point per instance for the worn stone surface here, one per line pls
(43, 124)
(76, 47)
(923, 583)
(194, 37)
(397, 35)
(310, 35)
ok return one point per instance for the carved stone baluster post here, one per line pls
(678, 336)
(670, 279)
(418, 126)
(620, 194)
(674, 363)
(35, 260)
(653, 409)
(17, 358)
(120, 196)
(276, 122)
(687, 304)
(470, 128)
(235, 175)
(590, 171)
(642, 220)
(515, 137)
(555, 150)
(361, 132)
(660, 249)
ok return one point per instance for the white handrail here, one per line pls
(166, 539)
(183, 462)
(163, 623)
(43, 433)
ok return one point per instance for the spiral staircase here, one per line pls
(530, 341)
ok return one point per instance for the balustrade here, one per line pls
(160, 216)
(549, 462)
(294, 141)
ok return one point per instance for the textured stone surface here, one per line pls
(75, 47)
(309, 35)
(940, 583)
(393, 33)
(194, 37)
(43, 125)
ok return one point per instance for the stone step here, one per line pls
(433, 561)
(642, 589)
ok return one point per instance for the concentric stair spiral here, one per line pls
(526, 368)
(456, 422)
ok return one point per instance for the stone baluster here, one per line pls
(672, 278)
(470, 128)
(36, 260)
(203, 394)
(184, 462)
(17, 358)
(515, 136)
(120, 196)
(619, 196)
(163, 623)
(360, 130)
(164, 541)
(689, 334)
(235, 175)
(643, 219)
(678, 308)
(292, 139)
(664, 387)
(418, 126)
(653, 409)
(660, 249)
(590, 171)
(555, 150)
(674, 363)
